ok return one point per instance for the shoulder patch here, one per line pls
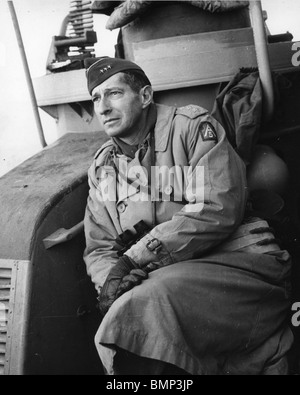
(208, 132)
(191, 111)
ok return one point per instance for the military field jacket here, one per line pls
(200, 184)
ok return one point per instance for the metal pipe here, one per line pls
(27, 73)
(263, 59)
(64, 26)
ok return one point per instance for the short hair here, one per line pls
(135, 80)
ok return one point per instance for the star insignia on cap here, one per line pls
(105, 69)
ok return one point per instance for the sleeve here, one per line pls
(214, 211)
(101, 252)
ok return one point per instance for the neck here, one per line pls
(140, 131)
(132, 140)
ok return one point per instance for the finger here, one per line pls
(140, 273)
(126, 287)
(132, 278)
(104, 305)
(110, 288)
(152, 267)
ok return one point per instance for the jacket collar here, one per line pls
(162, 129)
(165, 115)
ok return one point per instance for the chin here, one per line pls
(115, 132)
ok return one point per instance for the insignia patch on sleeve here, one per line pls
(208, 132)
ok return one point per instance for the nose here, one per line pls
(103, 106)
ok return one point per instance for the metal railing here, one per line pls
(263, 60)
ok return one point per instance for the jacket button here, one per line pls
(122, 208)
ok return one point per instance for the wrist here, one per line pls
(130, 263)
(148, 249)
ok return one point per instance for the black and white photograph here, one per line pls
(149, 190)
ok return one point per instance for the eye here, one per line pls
(115, 93)
(96, 100)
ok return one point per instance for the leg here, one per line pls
(128, 364)
(194, 314)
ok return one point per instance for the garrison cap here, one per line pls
(101, 69)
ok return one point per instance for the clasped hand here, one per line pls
(122, 278)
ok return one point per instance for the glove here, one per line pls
(135, 278)
(122, 278)
(109, 291)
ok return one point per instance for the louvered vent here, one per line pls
(5, 287)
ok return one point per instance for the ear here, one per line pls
(146, 96)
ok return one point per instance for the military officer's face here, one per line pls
(119, 108)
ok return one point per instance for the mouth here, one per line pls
(110, 121)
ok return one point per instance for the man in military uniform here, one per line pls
(202, 291)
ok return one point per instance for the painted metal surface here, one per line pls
(14, 291)
(28, 192)
(50, 302)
